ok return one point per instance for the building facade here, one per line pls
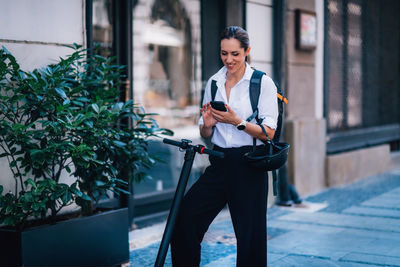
(337, 61)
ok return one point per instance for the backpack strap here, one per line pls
(281, 100)
(214, 89)
(254, 90)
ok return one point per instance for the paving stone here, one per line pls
(372, 259)
(273, 257)
(324, 242)
(296, 260)
(384, 202)
(373, 234)
(293, 225)
(343, 197)
(228, 261)
(344, 220)
(383, 247)
(379, 212)
(210, 253)
(322, 252)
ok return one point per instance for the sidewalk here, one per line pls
(354, 225)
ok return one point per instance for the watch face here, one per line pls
(241, 127)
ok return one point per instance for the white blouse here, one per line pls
(226, 135)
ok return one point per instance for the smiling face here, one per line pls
(233, 55)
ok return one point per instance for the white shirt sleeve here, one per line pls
(206, 99)
(268, 103)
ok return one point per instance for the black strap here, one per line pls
(274, 182)
(214, 89)
(255, 89)
(280, 113)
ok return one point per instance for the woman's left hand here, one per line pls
(228, 116)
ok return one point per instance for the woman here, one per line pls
(230, 180)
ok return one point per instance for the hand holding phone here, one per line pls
(218, 105)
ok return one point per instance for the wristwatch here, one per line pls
(242, 125)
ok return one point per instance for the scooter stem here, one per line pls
(176, 203)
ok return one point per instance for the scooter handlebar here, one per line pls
(211, 152)
(200, 149)
(172, 142)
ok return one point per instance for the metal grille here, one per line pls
(362, 63)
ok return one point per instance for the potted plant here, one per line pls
(68, 142)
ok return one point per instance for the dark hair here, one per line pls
(238, 33)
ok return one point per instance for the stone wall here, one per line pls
(351, 166)
(303, 129)
(36, 33)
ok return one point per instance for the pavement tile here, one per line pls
(228, 261)
(344, 220)
(306, 261)
(371, 259)
(383, 202)
(383, 247)
(293, 225)
(329, 242)
(378, 212)
(373, 234)
(322, 252)
(273, 257)
(209, 253)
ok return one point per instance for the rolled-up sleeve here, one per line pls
(206, 99)
(268, 103)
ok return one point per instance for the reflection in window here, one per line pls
(167, 88)
(102, 27)
(167, 80)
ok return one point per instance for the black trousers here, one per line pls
(226, 181)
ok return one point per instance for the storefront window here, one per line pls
(167, 80)
(362, 64)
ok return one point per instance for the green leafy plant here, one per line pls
(67, 118)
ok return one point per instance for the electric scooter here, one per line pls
(191, 150)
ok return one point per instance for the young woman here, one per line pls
(230, 180)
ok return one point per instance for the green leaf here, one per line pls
(1, 189)
(66, 197)
(86, 197)
(61, 92)
(78, 103)
(117, 107)
(33, 152)
(5, 50)
(122, 190)
(31, 182)
(100, 183)
(121, 181)
(95, 107)
(83, 99)
(35, 206)
(119, 143)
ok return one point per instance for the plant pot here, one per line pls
(98, 240)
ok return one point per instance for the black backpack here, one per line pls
(277, 152)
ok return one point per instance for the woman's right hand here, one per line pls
(208, 119)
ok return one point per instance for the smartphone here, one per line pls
(218, 105)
